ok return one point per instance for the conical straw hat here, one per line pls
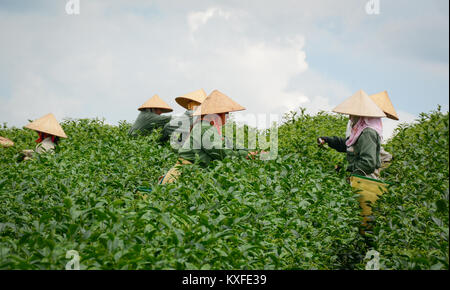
(47, 124)
(384, 102)
(360, 104)
(198, 96)
(217, 103)
(5, 142)
(157, 103)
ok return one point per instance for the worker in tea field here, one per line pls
(150, 116)
(363, 147)
(49, 131)
(364, 135)
(179, 127)
(205, 140)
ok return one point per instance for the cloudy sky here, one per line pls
(269, 56)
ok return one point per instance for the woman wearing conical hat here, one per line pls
(150, 116)
(182, 125)
(49, 132)
(364, 135)
(205, 141)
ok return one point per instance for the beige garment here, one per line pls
(385, 156)
(173, 173)
(45, 146)
(375, 174)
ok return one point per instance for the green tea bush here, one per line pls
(294, 212)
(412, 221)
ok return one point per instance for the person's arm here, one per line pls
(366, 146)
(147, 121)
(169, 128)
(336, 143)
(179, 125)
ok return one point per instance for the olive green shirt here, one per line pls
(181, 125)
(147, 122)
(206, 143)
(364, 155)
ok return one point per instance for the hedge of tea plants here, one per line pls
(294, 212)
(412, 224)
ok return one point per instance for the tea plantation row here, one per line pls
(295, 212)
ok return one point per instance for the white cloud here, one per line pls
(257, 73)
(108, 60)
(199, 18)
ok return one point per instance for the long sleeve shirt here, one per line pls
(178, 125)
(147, 122)
(206, 143)
(364, 155)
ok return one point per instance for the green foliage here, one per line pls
(295, 212)
(413, 218)
(299, 134)
(80, 198)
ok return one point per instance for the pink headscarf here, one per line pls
(363, 123)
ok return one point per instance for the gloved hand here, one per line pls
(322, 140)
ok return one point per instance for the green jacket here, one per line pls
(181, 125)
(364, 155)
(148, 121)
(208, 149)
